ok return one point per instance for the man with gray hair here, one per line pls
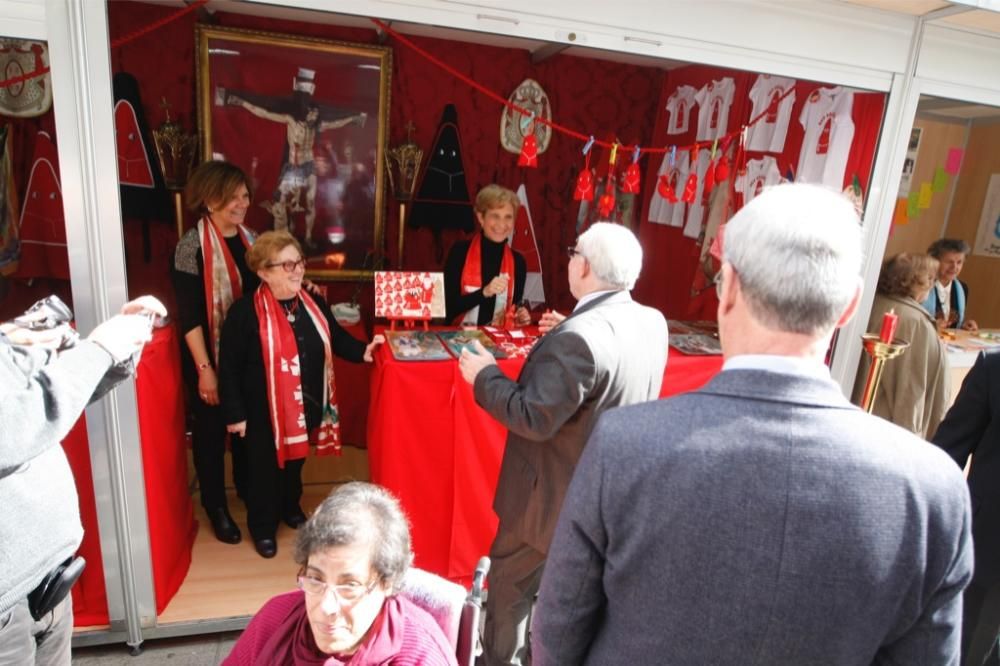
(610, 351)
(763, 518)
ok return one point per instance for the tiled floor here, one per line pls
(206, 650)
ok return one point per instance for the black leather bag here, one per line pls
(54, 587)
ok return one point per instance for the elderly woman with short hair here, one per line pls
(353, 554)
(278, 387)
(914, 390)
(947, 300)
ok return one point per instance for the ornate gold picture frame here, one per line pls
(307, 120)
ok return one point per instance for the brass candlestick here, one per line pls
(402, 163)
(175, 151)
(879, 352)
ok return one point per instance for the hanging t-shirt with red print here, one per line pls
(758, 175)
(829, 132)
(714, 100)
(679, 109)
(662, 211)
(767, 135)
(696, 211)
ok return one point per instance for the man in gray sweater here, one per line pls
(44, 392)
(762, 519)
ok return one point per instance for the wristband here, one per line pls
(204, 366)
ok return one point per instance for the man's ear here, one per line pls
(729, 288)
(852, 306)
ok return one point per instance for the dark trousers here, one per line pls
(208, 448)
(271, 492)
(514, 578)
(980, 622)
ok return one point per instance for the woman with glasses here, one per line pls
(352, 554)
(209, 272)
(278, 387)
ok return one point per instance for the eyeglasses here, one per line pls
(289, 266)
(572, 252)
(718, 284)
(346, 593)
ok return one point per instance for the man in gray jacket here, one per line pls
(44, 392)
(610, 351)
(762, 519)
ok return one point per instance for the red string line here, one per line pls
(121, 41)
(554, 125)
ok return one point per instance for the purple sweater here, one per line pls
(416, 638)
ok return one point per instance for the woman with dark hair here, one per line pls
(209, 272)
(913, 392)
(352, 554)
(278, 388)
(947, 300)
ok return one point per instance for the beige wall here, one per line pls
(982, 274)
(921, 231)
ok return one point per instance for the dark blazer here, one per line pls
(760, 520)
(610, 352)
(972, 427)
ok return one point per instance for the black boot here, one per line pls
(294, 519)
(266, 547)
(223, 526)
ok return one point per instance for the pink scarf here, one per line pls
(284, 384)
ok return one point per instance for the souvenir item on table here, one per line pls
(666, 206)
(456, 341)
(42, 227)
(515, 343)
(515, 126)
(768, 134)
(695, 344)
(10, 247)
(523, 240)
(409, 295)
(31, 96)
(442, 200)
(416, 346)
(758, 175)
(679, 109)
(714, 100)
(829, 132)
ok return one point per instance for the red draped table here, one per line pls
(439, 452)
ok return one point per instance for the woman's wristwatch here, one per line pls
(203, 366)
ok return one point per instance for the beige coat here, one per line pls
(915, 388)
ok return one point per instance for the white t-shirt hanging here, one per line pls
(714, 100)
(829, 131)
(696, 211)
(759, 174)
(767, 135)
(662, 211)
(679, 108)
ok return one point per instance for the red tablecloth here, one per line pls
(439, 452)
(168, 502)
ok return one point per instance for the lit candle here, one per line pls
(889, 322)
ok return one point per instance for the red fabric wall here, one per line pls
(590, 95)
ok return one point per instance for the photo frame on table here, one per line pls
(307, 121)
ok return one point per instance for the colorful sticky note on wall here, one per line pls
(911, 204)
(954, 162)
(899, 215)
(940, 183)
(924, 199)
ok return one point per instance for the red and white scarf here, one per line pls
(284, 382)
(472, 280)
(221, 277)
